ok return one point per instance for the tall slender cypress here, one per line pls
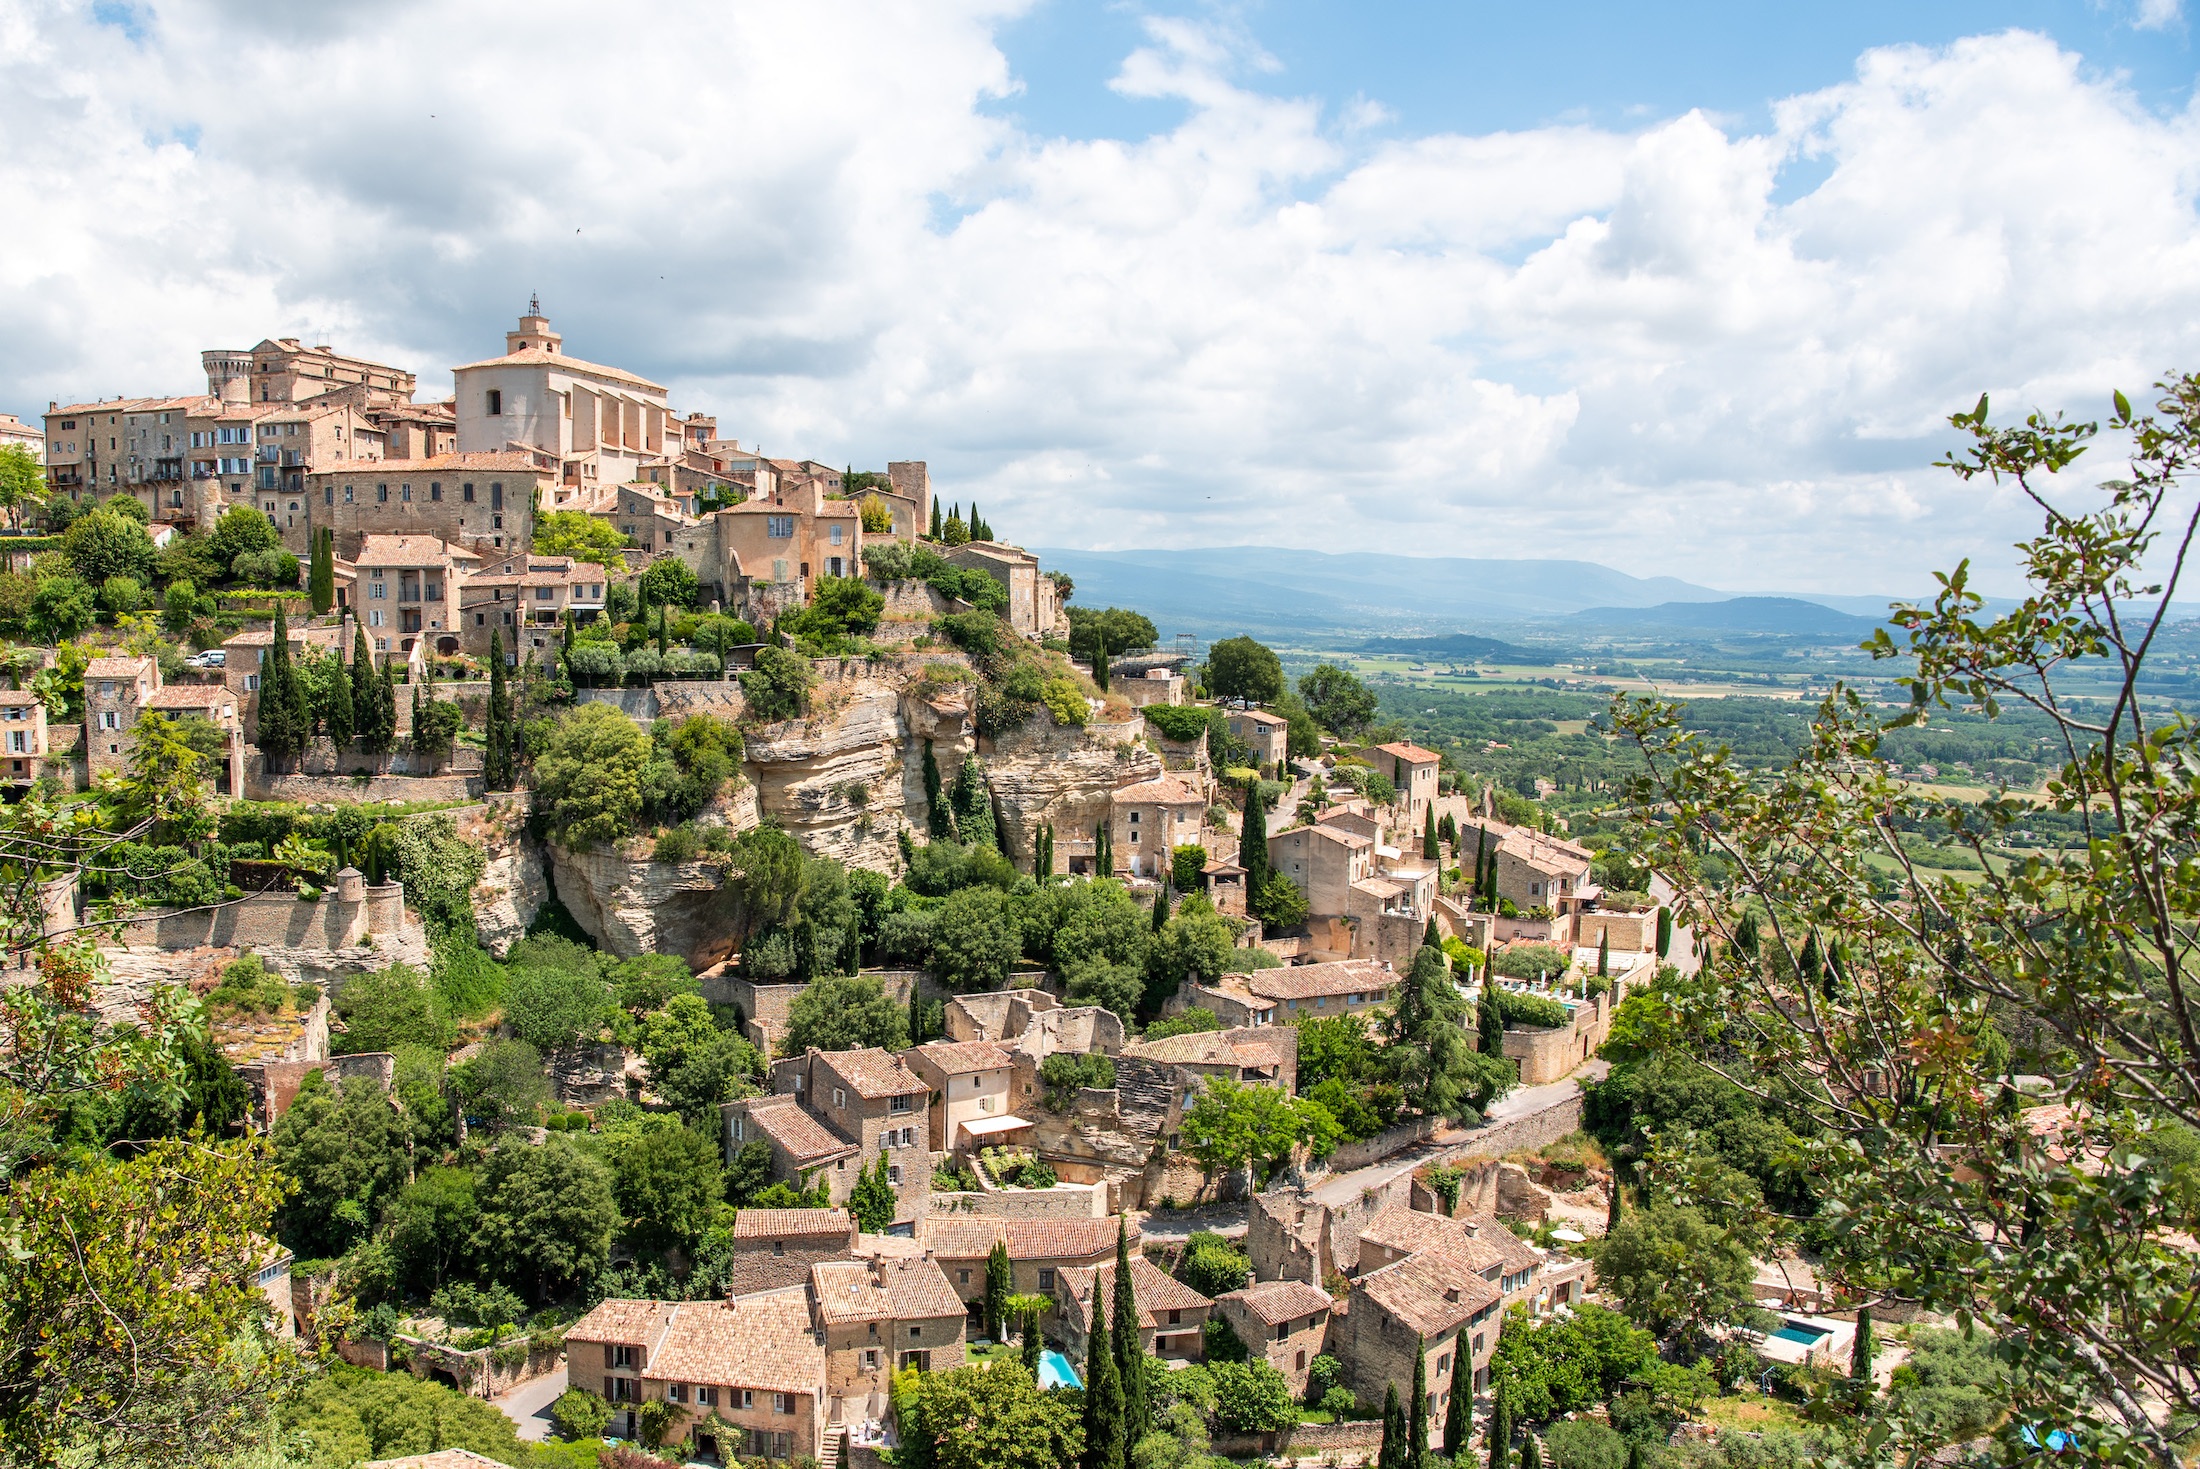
(938, 822)
(1103, 1394)
(1860, 1357)
(1103, 851)
(321, 580)
(663, 638)
(1500, 1434)
(339, 716)
(1531, 1452)
(1489, 1019)
(1430, 938)
(1481, 854)
(935, 534)
(1392, 1455)
(1604, 953)
(1614, 1207)
(389, 702)
(1417, 1415)
(1161, 907)
(496, 764)
(366, 696)
(1031, 1344)
(1428, 836)
(1130, 1357)
(283, 723)
(1253, 842)
(1458, 1413)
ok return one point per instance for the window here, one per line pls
(779, 527)
(962, 1277)
(901, 1103)
(748, 1398)
(374, 617)
(405, 493)
(378, 590)
(466, 493)
(110, 720)
(543, 594)
(915, 1333)
(495, 404)
(1300, 1365)
(251, 683)
(481, 619)
(893, 1176)
(840, 1096)
(1283, 1332)
(838, 528)
(1046, 1280)
(870, 1361)
(382, 494)
(347, 494)
(1443, 1364)
(622, 1389)
(435, 491)
(622, 1357)
(782, 1402)
(676, 1392)
(706, 1397)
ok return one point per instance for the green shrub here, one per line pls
(1528, 961)
(1532, 1011)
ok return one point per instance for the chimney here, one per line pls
(1451, 1293)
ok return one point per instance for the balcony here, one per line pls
(294, 458)
(269, 454)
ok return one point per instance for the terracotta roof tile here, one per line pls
(793, 1223)
(1430, 1292)
(1306, 981)
(891, 1290)
(1027, 1239)
(115, 666)
(1165, 790)
(872, 1072)
(409, 551)
(1278, 1301)
(1155, 1292)
(762, 1341)
(628, 1322)
(190, 696)
(954, 1058)
(1412, 753)
(507, 460)
(804, 1138)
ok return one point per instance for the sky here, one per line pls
(1686, 289)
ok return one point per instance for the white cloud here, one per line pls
(2158, 15)
(1261, 323)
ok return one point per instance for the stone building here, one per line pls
(871, 1103)
(1284, 1321)
(1172, 1317)
(215, 704)
(284, 370)
(15, 431)
(1039, 1250)
(972, 1105)
(1413, 771)
(116, 688)
(1149, 820)
(1034, 602)
(407, 592)
(526, 598)
(1268, 735)
(757, 1361)
(774, 1248)
(479, 502)
(592, 424)
(879, 1317)
(23, 735)
(244, 655)
(1433, 1301)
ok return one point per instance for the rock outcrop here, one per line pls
(1043, 772)
(834, 780)
(631, 907)
(513, 885)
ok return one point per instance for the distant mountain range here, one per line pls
(1457, 647)
(1789, 615)
(1284, 594)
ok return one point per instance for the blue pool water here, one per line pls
(1803, 1334)
(1055, 1371)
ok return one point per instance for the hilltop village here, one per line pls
(733, 961)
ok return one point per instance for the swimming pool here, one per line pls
(1805, 1335)
(1055, 1371)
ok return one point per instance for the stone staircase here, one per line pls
(836, 1449)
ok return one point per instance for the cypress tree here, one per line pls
(1481, 855)
(1604, 953)
(1458, 1415)
(1811, 964)
(935, 533)
(1745, 934)
(1103, 1395)
(1417, 1416)
(1161, 907)
(938, 821)
(1860, 1358)
(1489, 1019)
(1430, 938)
(663, 640)
(1392, 1455)
(281, 728)
(1100, 659)
(1500, 1434)
(321, 580)
(1613, 1208)
(1531, 1453)
(1031, 1344)
(1130, 1357)
(1253, 842)
(366, 695)
(1042, 858)
(977, 526)
(389, 703)
(496, 765)
(1665, 931)
(1103, 851)
(1000, 1283)
(341, 721)
(1428, 835)
(567, 632)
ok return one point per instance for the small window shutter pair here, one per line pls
(610, 1356)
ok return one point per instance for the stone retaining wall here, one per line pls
(1306, 1440)
(1374, 1149)
(273, 920)
(1063, 1201)
(260, 786)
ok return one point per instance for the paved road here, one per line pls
(1345, 1187)
(528, 1405)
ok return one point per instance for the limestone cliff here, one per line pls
(835, 779)
(632, 906)
(1043, 772)
(513, 885)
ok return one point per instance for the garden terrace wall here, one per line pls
(477, 1373)
(274, 921)
(1063, 1201)
(1309, 1439)
(312, 789)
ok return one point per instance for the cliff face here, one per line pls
(632, 907)
(513, 885)
(1042, 772)
(834, 780)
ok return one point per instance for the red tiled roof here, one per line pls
(954, 1058)
(804, 1138)
(1155, 1292)
(1277, 1301)
(872, 1072)
(1431, 1292)
(1164, 790)
(791, 1223)
(1413, 754)
(1027, 1239)
(764, 1341)
(1306, 981)
(116, 666)
(190, 696)
(892, 1290)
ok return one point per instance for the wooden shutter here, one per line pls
(610, 1356)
